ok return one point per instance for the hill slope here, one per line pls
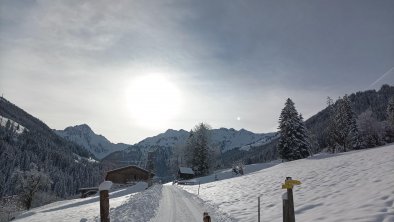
(352, 186)
(68, 165)
(376, 101)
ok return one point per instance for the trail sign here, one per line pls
(288, 201)
(287, 186)
(290, 183)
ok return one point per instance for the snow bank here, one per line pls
(86, 209)
(352, 186)
(142, 207)
(228, 173)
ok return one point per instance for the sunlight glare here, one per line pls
(153, 101)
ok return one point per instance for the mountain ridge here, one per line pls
(84, 136)
(224, 138)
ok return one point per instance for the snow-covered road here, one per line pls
(175, 206)
(179, 205)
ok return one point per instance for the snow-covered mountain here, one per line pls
(223, 138)
(163, 145)
(229, 139)
(170, 138)
(15, 125)
(84, 136)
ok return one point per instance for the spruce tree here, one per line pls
(198, 144)
(331, 127)
(189, 149)
(293, 143)
(346, 134)
(354, 138)
(390, 112)
(390, 119)
(303, 137)
(341, 125)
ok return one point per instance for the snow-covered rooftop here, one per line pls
(186, 170)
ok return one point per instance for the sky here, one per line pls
(132, 69)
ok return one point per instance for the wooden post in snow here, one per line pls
(206, 217)
(288, 201)
(104, 200)
(198, 192)
(258, 209)
(285, 208)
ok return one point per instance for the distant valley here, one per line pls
(163, 145)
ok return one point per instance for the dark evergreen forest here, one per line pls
(68, 165)
(371, 100)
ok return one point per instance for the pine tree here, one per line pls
(331, 127)
(189, 149)
(390, 112)
(198, 145)
(354, 138)
(303, 137)
(390, 120)
(346, 134)
(371, 130)
(293, 143)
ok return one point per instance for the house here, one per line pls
(88, 191)
(128, 174)
(185, 173)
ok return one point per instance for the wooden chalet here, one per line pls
(128, 174)
(88, 191)
(185, 173)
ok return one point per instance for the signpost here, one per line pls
(104, 200)
(288, 202)
(258, 209)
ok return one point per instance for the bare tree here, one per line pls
(30, 182)
(372, 131)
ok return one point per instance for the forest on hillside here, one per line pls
(38, 152)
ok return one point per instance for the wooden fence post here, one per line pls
(104, 200)
(198, 192)
(288, 201)
(206, 217)
(290, 204)
(285, 208)
(258, 208)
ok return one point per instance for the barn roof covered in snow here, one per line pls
(186, 170)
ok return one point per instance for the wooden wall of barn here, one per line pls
(126, 175)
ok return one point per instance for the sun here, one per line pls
(153, 101)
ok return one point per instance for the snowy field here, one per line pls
(86, 209)
(352, 186)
